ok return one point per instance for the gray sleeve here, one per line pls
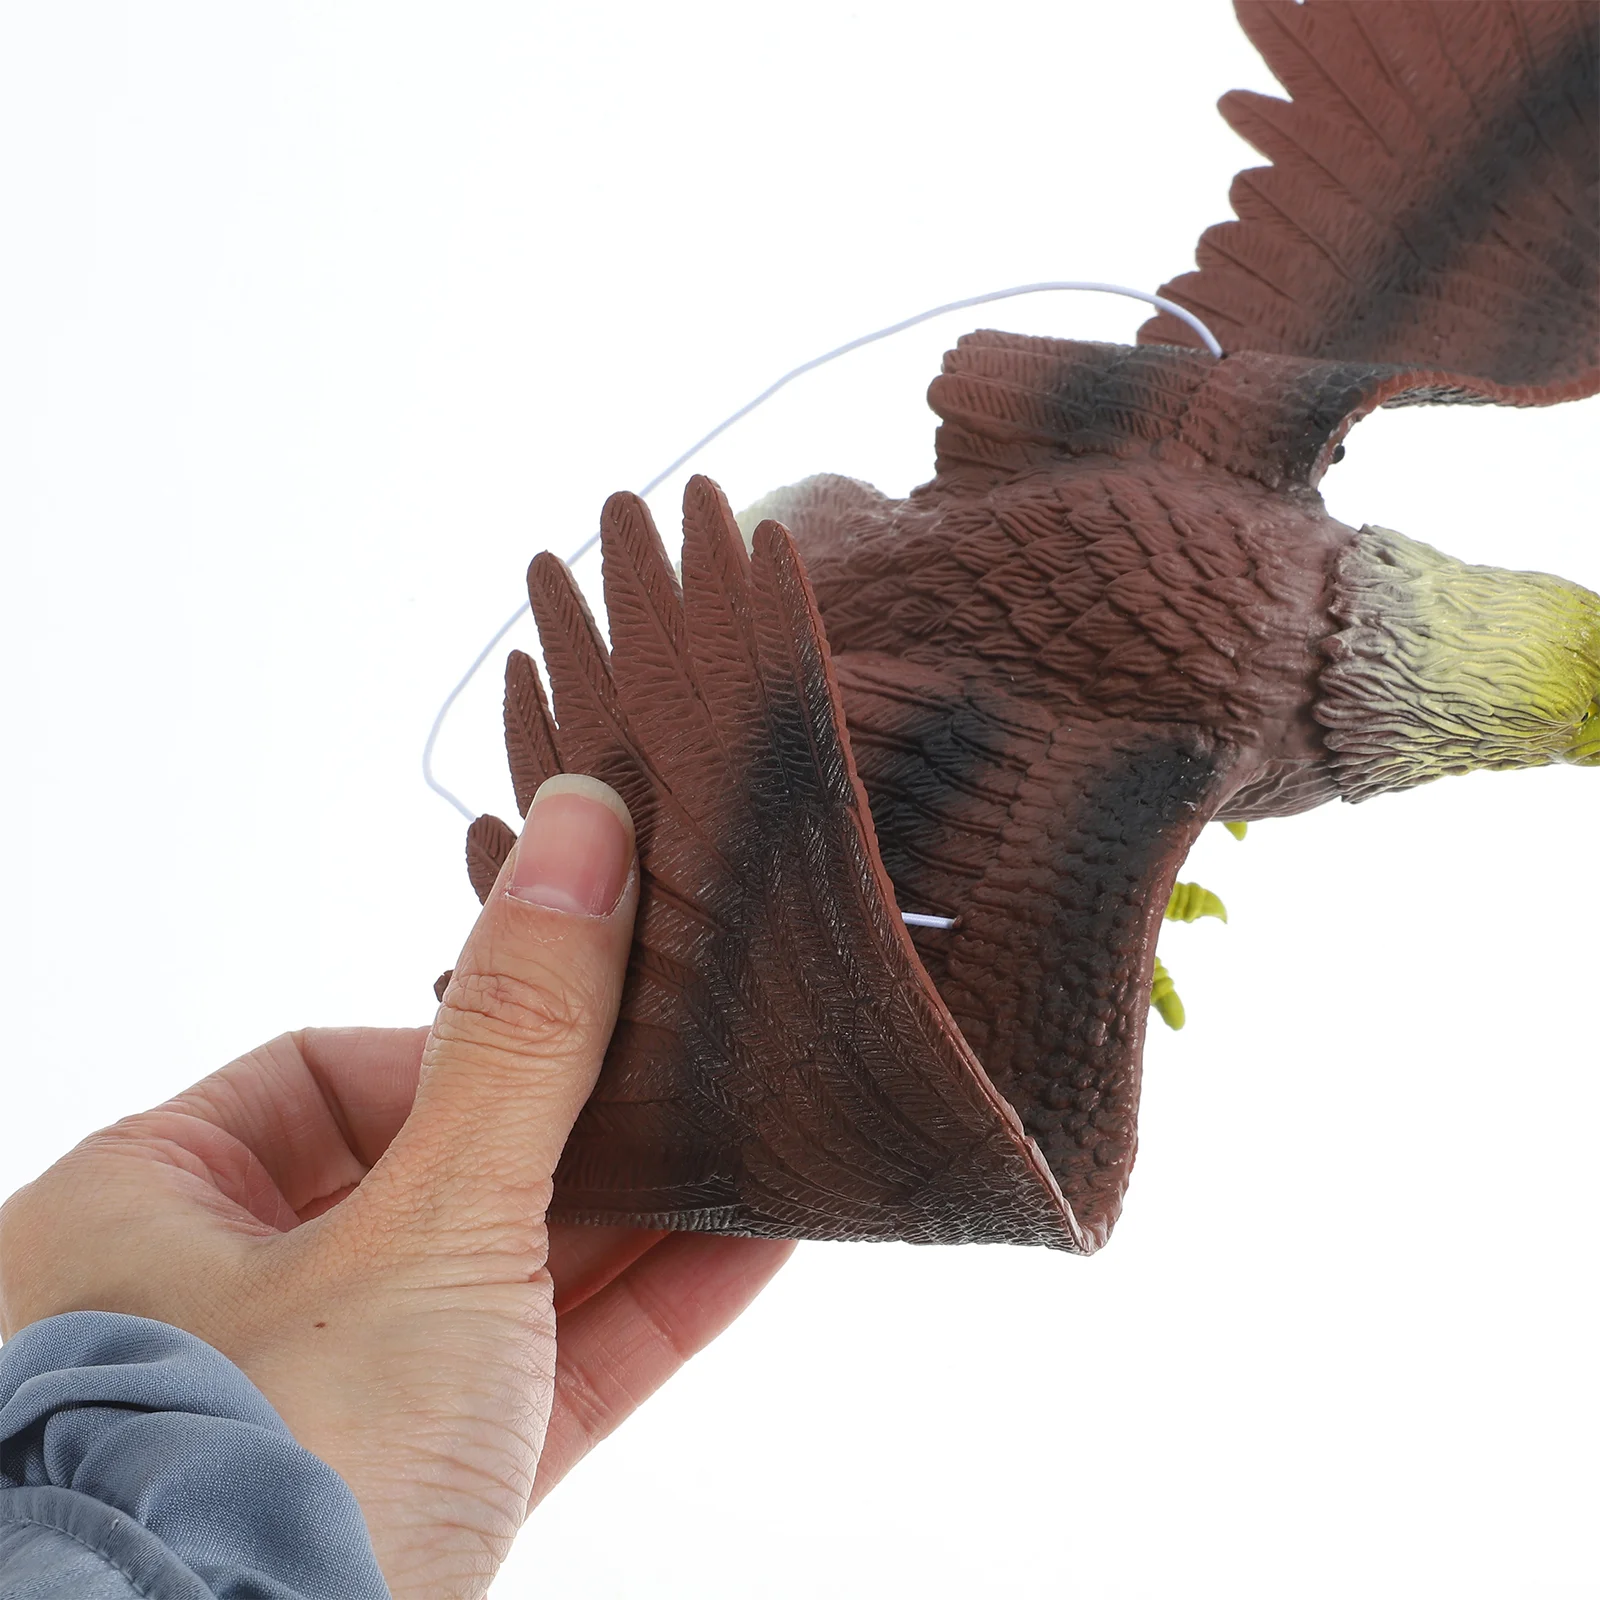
(136, 1461)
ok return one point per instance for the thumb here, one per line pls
(518, 1041)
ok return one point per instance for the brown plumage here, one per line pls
(1431, 198)
(1117, 611)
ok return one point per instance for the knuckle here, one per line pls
(32, 1252)
(31, 1219)
(15, 1249)
(13, 1222)
(589, 1400)
(660, 1323)
(539, 1014)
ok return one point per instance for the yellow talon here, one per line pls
(1237, 829)
(1164, 998)
(1190, 902)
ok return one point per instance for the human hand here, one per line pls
(356, 1217)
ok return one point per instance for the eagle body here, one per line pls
(1118, 610)
(1329, 661)
(1098, 595)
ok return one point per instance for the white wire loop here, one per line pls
(1169, 306)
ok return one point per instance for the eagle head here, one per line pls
(1442, 667)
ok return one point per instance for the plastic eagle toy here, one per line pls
(1117, 612)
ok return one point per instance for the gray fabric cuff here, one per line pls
(157, 1426)
(57, 1544)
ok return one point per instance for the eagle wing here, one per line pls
(1055, 846)
(1012, 404)
(1433, 198)
(783, 1065)
(787, 1061)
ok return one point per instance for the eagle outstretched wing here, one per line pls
(782, 1065)
(1012, 403)
(1433, 198)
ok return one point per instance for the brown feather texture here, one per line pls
(489, 846)
(782, 1066)
(1118, 610)
(530, 745)
(1433, 198)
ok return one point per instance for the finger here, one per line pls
(583, 1260)
(518, 1041)
(315, 1108)
(369, 1078)
(132, 1220)
(619, 1347)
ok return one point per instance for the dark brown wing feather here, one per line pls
(1433, 198)
(530, 748)
(1011, 403)
(1056, 846)
(783, 1065)
(489, 845)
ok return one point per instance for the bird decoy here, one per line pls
(1118, 611)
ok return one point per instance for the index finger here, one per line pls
(316, 1108)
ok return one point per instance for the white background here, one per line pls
(319, 320)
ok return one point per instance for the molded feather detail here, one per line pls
(489, 846)
(1433, 198)
(1012, 402)
(782, 1065)
(594, 737)
(530, 733)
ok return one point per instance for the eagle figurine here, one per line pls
(1118, 611)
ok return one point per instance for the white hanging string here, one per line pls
(1171, 307)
